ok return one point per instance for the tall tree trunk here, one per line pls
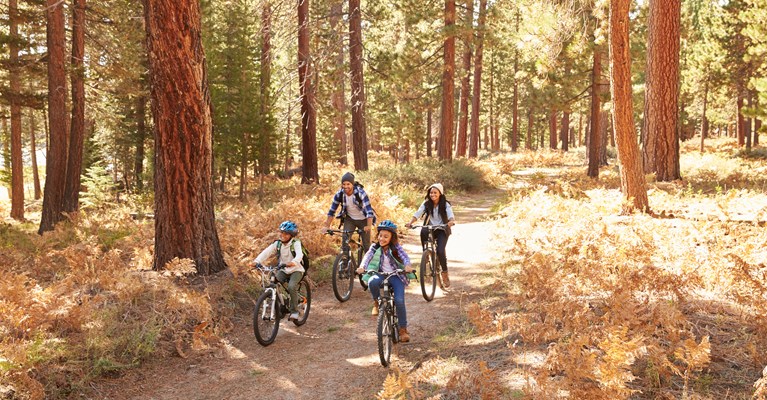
(265, 86)
(444, 150)
(17, 164)
(747, 120)
(338, 98)
(359, 134)
(606, 132)
(740, 120)
(6, 146)
(474, 139)
(77, 132)
(56, 159)
(704, 116)
(428, 132)
(138, 163)
(565, 130)
(633, 184)
(185, 225)
(33, 153)
(465, 87)
(529, 135)
(594, 129)
(661, 116)
(308, 109)
(553, 129)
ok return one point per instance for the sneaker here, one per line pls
(404, 337)
(375, 308)
(445, 279)
(293, 316)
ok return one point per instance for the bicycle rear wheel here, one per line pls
(266, 319)
(304, 302)
(343, 278)
(385, 334)
(428, 276)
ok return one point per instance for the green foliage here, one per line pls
(460, 175)
(98, 188)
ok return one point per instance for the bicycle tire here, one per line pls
(265, 326)
(428, 276)
(343, 278)
(304, 302)
(385, 334)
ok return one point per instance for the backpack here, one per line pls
(304, 260)
(359, 200)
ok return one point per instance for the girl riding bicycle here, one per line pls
(289, 253)
(437, 211)
(387, 256)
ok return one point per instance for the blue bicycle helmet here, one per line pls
(387, 225)
(289, 227)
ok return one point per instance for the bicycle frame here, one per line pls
(430, 269)
(388, 324)
(272, 305)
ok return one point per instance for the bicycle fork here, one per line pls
(267, 314)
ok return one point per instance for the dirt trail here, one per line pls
(334, 355)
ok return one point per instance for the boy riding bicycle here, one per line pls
(289, 253)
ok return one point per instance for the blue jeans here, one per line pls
(399, 295)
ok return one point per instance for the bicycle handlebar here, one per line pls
(430, 227)
(332, 231)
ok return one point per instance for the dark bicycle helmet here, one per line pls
(387, 225)
(289, 227)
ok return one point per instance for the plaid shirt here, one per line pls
(396, 248)
(338, 199)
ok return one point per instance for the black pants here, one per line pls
(350, 224)
(440, 236)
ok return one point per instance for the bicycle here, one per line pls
(430, 268)
(272, 305)
(346, 264)
(388, 324)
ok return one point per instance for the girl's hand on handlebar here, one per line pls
(409, 268)
(360, 270)
(408, 225)
(450, 223)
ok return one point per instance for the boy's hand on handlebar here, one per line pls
(408, 225)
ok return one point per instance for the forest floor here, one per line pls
(334, 355)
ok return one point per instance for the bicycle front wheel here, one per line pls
(343, 278)
(385, 334)
(304, 302)
(266, 318)
(428, 276)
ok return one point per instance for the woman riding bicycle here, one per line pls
(289, 253)
(387, 256)
(437, 211)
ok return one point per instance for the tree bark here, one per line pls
(338, 98)
(529, 135)
(444, 150)
(17, 164)
(138, 163)
(56, 159)
(633, 184)
(184, 216)
(359, 134)
(594, 128)
(465, 86)
(661, 116)
(265, 86)
(747, 120)
(740, 120)
(553, 129)
(564, 131)
(704, 116)
(308, 109)
(428, 132)
(476, 87)
(33, 154)
(77, 131)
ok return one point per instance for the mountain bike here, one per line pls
(346, 263)
(388, 324)
(430, 269)
(273, 304)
